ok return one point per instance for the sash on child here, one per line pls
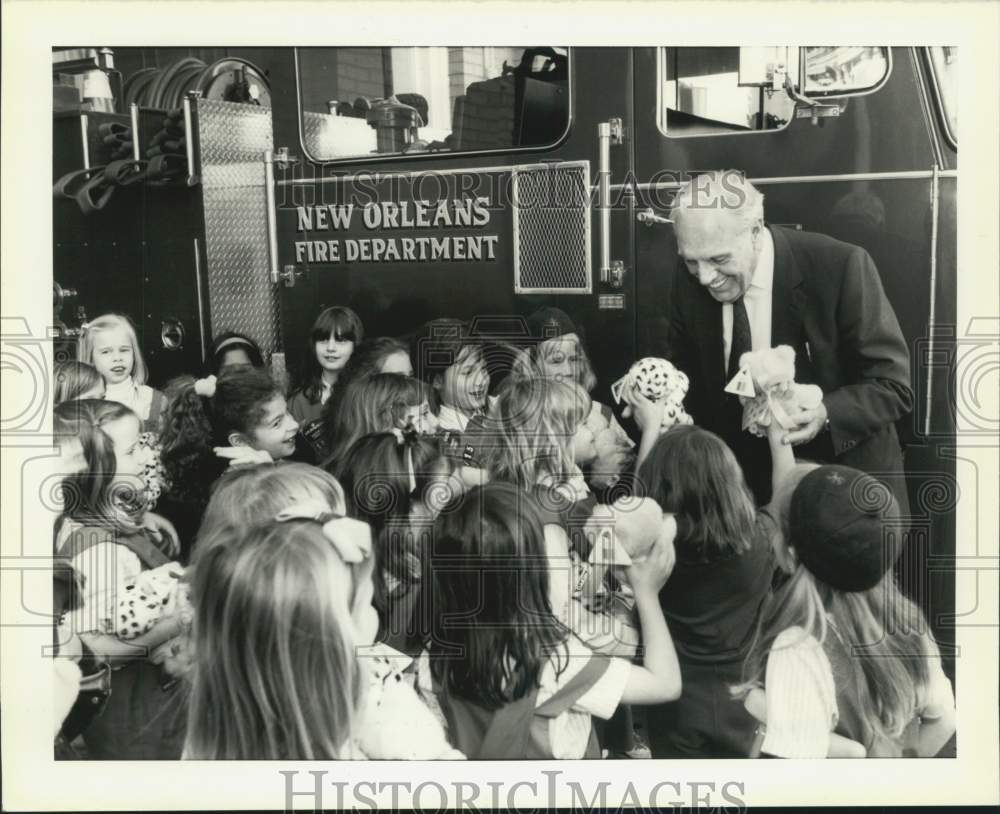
(518, 730)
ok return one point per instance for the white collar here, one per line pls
(450, 418)
(763, 273)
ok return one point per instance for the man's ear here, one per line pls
(438, 381)
(238, 439)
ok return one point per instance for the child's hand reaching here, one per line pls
(650, 575)
(166, 534)
(648, 414)
(243, 456)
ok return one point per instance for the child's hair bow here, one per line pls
(205, 387)
(402, 437)
(352, 538)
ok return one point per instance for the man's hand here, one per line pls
(809, 423)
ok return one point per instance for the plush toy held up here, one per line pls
(157, 593)
(622, 534)
(768, 391)
(659, 381)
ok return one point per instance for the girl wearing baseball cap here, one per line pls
(840, 651)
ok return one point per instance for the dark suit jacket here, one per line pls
(828, 304)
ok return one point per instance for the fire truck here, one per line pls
(249, 188)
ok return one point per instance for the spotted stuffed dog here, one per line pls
(154, 594)
(659, 381)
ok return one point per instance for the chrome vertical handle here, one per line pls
(604, 197)
(272, 217)
(608, 133)
(192, 178)
(133, 110)
(85, 141)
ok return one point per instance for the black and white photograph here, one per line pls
(596, 413)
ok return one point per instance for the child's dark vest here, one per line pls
(518, 730)
(851, 722)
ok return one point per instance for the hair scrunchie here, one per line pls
(205, 387)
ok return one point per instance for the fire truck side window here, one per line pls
(392, 101)
(702, 94)
(711, 91)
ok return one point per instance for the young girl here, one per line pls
(76, 380)
(297, 683)
(109, 344)
(449, 359)
(334, 335)
(396, 482)
(382, 354)
(839, 648)
(231, 349)
(377, 403)
(557, 351)
(542, 440)
(714, 597)
(106, 535)
(238, 417)
(512, 681)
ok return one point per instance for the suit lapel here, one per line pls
(787, 297)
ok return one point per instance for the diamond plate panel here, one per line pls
(233, 138)
(552, 229)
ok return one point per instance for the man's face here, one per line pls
(719, 249)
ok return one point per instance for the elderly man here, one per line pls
(743, 285)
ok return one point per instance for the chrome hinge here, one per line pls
(617, 132)
(288, 275)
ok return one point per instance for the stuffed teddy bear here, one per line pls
(768, 391)
(621, 534)
(659, 381)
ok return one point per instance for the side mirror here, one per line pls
(844, 70)
(835, 72)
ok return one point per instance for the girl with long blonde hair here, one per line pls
(283, 663)
(543, 438)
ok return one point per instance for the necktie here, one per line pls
(741, 338)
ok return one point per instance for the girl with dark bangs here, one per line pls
(712, 602)
(513, 683)
(335, 334)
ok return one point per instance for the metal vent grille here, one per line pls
(233, 138)
(551, 212)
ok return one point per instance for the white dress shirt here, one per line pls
(757, 300)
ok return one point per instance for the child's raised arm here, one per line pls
(782, 456)
(658, 680)
(648, 415)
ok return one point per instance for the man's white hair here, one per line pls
(720, 189)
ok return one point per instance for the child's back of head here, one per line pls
(692, 474)
(537, 419)
(490, 573)
(276, 676)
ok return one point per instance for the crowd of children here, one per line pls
(448, 548)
